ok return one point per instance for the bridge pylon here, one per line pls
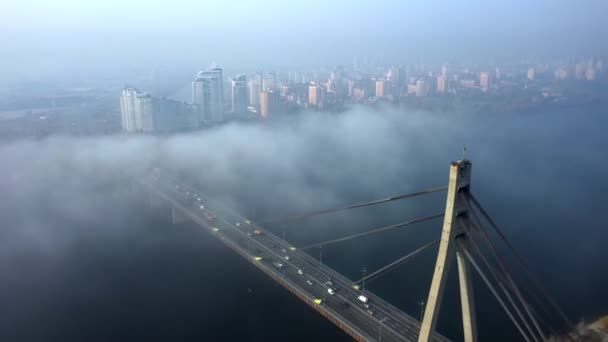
(460, 181)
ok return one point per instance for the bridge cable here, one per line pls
(506, 271)
(351, 206)
(396, 262)
(374, 231)
(489, 285)
(500, 284)
(503, 266)
(523, 263)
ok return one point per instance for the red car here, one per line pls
(210, 218)
(258, 232)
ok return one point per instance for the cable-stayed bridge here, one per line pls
(468, 235)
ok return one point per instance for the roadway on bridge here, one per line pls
(376, 319)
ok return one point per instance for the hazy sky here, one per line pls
(311, 15)
(113, 33)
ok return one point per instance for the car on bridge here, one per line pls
(258, 232)
(210, 218)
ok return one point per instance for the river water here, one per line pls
(115, 269)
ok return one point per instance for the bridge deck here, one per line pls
(298, 272)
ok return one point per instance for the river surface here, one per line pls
(115, 269)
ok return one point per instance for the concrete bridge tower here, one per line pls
(460, 181)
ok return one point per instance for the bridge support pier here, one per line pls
(460, 180)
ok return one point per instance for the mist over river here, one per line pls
(83, 257)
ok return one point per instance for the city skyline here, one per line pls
(271, 94)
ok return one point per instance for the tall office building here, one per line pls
(127, 109)
(484, 81)
(208, 94)
(315, 95)
(444, 70)
(240, 98)
(270, 103)
(442, 84)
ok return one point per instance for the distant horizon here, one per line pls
(107, 37)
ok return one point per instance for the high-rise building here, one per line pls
(442, 84)
(137, 111)
(269, 81)
(381, 88)
(484, 81)
(270, 103)
(393, 75)
(284, 90)
(144, 113)
(351, 88)
(468, 83)
(197, 95)
(359, 93)
(420, 88)
(315, 95)
(127, 109)
(174, 116)
(240, 98)
(590, 74)
(444, 70)
(560, 74)
(336, 73)
(255, 87)
(531, 73)
(412, 89)
(208, 94)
